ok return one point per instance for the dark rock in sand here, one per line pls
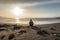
(35, 28)
(58, 35)
(22, 31)
(16, 28)
(40, 33)
(57, 39)
(52, 29)
(11, 36)
(4, 25)
(2, 29)
(1, 26)
(43, 33)
(2, 37)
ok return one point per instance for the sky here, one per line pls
(29, 8)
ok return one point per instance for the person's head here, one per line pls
(30, 20)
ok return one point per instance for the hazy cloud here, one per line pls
(21, 1)
(29, 2)
(43, 2)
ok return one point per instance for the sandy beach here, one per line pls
(37, 32)
(29, 19)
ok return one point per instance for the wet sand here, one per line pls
(37, 32)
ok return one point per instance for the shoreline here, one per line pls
(28, 24)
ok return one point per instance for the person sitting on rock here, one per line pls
(31, 22)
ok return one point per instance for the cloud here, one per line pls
(24, 1)
(20, 1)
(43, 3)
(29, 3)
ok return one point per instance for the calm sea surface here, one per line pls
(26, 22)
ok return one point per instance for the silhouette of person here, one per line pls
(31, 22)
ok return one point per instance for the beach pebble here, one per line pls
(22, 31)
(11, 36)
(2, 37)
(2, 29)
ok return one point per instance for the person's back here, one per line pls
(31, 22)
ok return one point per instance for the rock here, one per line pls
(22, 31)
(2, 37)
(58, 35)
(57, 39)
(43, 33)
(11, 36)
(52, 29)
(16, 28)
(2, 29)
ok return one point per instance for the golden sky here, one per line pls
(6, 11)
(29, 8)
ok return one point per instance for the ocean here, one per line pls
(17, 21)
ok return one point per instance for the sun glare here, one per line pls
(17, 11)
(17, 20)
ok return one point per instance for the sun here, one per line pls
(17, 11)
